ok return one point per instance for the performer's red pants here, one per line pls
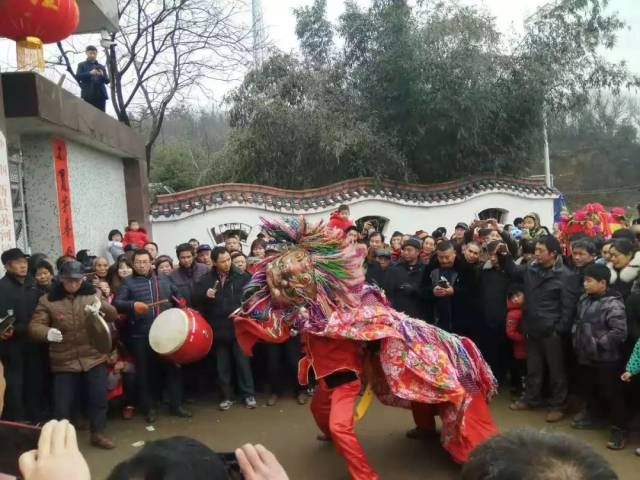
(478, 426)
(333, 412)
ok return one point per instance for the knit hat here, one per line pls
(598, 272)
(412, 242)
(383, 252)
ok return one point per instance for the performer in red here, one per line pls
(315, 287)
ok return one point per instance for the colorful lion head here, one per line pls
(314, 271)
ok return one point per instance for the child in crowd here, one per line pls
(598, 335)
(135, 234)
(104, 287)
(515, 300)
(115, 248)
(120, 382)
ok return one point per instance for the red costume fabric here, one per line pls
(332, 409)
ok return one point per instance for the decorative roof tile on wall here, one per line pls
(305, 201)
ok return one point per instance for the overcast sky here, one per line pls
(280, 29)
(510, 15)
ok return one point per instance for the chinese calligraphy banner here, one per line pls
(7, 229)
(64, 196)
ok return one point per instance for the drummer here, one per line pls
(143, 296)
(61, 319)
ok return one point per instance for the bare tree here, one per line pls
(167, 50)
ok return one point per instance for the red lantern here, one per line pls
(48, 20)
(34, 22)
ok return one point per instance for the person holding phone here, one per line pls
(18, 294)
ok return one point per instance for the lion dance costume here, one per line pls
(315, 287)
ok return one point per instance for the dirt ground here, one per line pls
(288, 430)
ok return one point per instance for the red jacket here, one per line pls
(514, 317)
(336, 221)
(138, 237)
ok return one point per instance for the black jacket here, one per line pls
(403, 286)
(600, 328)
(376, 275)
(228, 298)
(493, 288)
(22, 298)
(550, 296)
(92, 87)
(149, 289)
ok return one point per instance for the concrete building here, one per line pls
(206, 213)
(69, 173)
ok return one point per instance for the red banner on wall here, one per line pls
(64, 196)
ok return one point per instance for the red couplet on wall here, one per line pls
(64, 196)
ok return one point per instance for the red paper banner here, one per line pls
(64, 196)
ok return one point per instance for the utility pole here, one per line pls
(547, 161)
(258, 33)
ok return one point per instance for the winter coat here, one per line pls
(92, 87)
(550, 296)
(633, 365)
(514, 331)
(115, 249)
(228, 298)
(600, 328)
(337, 221)
(186, 278)
(376, 275)
(147, 289)
(138, 237)
(403, 284)
(493, 287)
(22, 298)
(623, 280)
(538, 230)
(65, 312)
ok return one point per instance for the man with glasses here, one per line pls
(140, 298)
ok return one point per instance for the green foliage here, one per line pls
(414, 93)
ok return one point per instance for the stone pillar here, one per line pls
(41, 195)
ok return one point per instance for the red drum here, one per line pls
(181, 335)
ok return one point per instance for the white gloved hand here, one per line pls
(54, 335)
(94, 308)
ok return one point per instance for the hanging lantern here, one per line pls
(32, 23)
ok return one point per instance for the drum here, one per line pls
(181, 335)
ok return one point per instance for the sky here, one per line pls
(279, 23)
(509, 14)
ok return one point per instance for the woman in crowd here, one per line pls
(164, 264)
(624, 265)
(44, 276)
(396, 245)
(118, 271)
(428, 247)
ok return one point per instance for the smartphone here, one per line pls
(6, 323)
(230, 464)
(443, 283)
(15, 439)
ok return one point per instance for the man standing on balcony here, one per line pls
(92, 78)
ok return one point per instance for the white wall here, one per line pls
(98, 197)
(408, 218)
(98, 200)
(41, 196)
